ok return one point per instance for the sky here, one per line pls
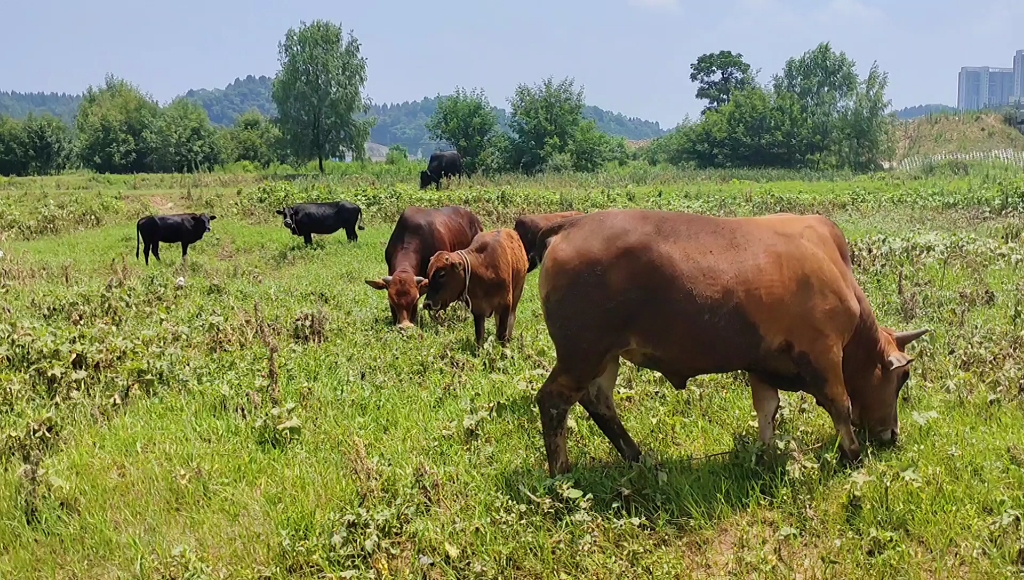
(631, 56)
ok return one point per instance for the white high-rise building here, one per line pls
(982, 86)
(1018, 75)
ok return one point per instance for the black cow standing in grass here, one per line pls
(183, 228)
(441, 164)
(306, 219)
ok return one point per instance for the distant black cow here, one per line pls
(184, 228)
(306, 219)
(442, 164)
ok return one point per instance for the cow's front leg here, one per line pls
(478, 325)
(766, 405)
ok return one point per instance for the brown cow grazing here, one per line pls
(529, 226)
(419, 234)
(689, 295)
(488, 277)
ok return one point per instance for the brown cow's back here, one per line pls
(422, 232)
(689, 295)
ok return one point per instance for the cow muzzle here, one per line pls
(288, 224)
(405, 325)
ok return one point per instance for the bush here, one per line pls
(116, 127)
(397, 155)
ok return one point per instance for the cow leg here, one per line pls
(145, 251)
(156, 250)
(506, 318)
(599, 402)
(308, 238)
(766, 405)
(478, 325)
(829, 389)
(554, 399)
(184, 253)
(351, 233)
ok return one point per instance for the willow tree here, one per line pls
(318, 93)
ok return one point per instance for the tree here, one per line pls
(13, 147)
(47, 144)
(184, 140)
(253, 138)
(718, 75)
(466, 121)
(115, 124)
(318, 93)
(397, 155)
(544, 120)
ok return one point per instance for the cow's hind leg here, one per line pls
(184, 253)
(156, 250)
(598, 400)
(559, 393)
(766, 405)
(506, 319)
(350, 232)
(145, 251)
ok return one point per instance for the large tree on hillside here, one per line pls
(318, 92)
(718, 75)
(544, 120)
(466, 121)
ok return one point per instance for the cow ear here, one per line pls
(377, 284)
(279, 211)
(897, 360)
(213, 217)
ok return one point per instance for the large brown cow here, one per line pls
(488, 276)
(689, 295)
(529, 226)
(419, 234)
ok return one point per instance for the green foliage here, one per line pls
(13, 147)
(318, 92)
(911, 113)
(184, 140)
(253, 138)
(466, 121)
(21, 105)
(397, 155)
(48, 144)
(225, 106)
(718, 76)
(817, 113)
(115, 127)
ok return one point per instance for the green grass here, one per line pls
(140, 431)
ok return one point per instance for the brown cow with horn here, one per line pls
(419, 234)
(689, 295)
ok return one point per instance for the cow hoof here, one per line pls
(850, 456)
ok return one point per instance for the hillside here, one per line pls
(973, 132)
(911, 113)
(19, 105)
(397, 124)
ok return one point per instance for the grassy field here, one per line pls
(264, 420)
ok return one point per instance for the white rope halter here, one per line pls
(469, 272)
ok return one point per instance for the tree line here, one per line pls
(817, 113)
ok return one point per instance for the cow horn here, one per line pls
(419, 280)
(904, 338)
(386, 280)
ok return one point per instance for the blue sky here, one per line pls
(632, 56)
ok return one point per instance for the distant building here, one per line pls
(1018, 75)
(982, 86)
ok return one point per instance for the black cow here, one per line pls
(184, 228)
(306, 219)
(442, 164)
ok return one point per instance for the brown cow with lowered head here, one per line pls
(488, 277)
(419, 234)
(529, 226)
(689, 295)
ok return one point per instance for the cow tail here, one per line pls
(138, 233)
(361, 226)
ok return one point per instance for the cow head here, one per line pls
(874, 387)
(286, 214)
(203, 221)
(446, 280)
(425, 179)
(404, 291)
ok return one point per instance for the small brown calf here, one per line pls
(488, 277)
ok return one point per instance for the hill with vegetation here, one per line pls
(911, 113)
(20, 105)
(968, 133)
(397, 124)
